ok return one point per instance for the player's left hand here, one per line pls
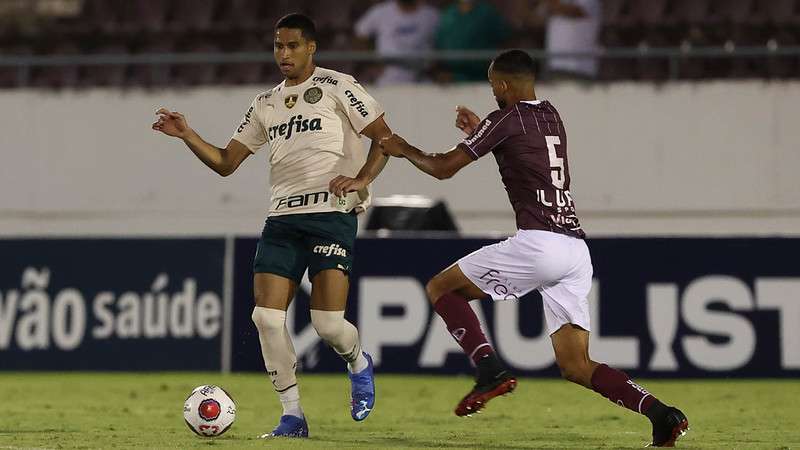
(341, 185)
(393, 145)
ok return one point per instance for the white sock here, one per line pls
(359, 364)
(279, 357)
(290, 399)
(341, 335)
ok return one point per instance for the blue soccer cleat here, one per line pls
(362, 391)
(291, 427)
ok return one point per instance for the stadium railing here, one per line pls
(675, 56)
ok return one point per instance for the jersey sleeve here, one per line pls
(361, 109)
(251, 131)
(489, 133)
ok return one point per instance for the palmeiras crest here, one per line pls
(312, 95)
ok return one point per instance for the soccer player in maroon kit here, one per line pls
(548, 252)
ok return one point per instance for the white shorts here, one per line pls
(558, 266)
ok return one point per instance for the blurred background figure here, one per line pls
(469, 25)
(398, 27)
(130, 41)
(572, 26)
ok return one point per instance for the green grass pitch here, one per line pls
(102, 410)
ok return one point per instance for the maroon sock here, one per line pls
(616, 386)
(464, 325)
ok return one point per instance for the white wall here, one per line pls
(689, 159)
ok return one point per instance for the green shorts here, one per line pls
(293, 243)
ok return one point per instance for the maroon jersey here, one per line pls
(530, 145)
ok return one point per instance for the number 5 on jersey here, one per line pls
(556, 163)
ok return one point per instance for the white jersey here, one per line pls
(313, 130)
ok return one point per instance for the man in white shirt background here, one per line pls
(399, 26)
(572, 26)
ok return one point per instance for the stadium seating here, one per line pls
(159, 26)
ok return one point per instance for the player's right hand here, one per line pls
(171, 123)
(466, 120)
(341, 185)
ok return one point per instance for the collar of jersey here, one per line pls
(301, 85)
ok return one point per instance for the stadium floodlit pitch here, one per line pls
(126, 410)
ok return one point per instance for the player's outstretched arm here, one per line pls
(437, 165)
(376, 161)
(222, 161)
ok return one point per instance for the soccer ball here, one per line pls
(209, 411)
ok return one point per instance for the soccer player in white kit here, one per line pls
(319, 175)
(548, 252)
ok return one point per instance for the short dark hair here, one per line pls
(301, 22)
(515, 62)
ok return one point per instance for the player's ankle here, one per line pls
(359, 364)
(656, 412)
(293, 408)
(489, 366)
(294, 412)
(290, 401)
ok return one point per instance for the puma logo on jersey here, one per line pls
(296, 124)
(356, 103)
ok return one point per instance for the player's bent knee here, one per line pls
(435, 289)
(268, 320)
(431, 291)
(329, 325)
(329, 332)
(569, 374)
(575, 372)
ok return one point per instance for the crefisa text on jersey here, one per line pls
(326, 79)
(296, 124)
(356, 103)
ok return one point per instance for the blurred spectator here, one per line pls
(469, 25)
(73, 27)
(59, 8)
(573, 26)
(399, 26)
